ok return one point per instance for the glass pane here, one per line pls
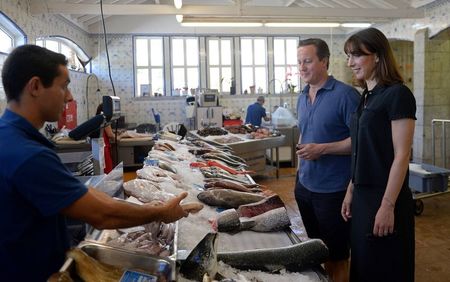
(156, 52)
(6, 42)
(295, 78)
(141, 52)
(66, 51)
(214, 78)
(52, 45)
(38, 42)
(261, 79)
(260, 52)
(226, 82)
(280, 76)
(178, 52)
(225, 45)
(178, 78)
(157, 81)
(246, 52)
(278, 51)
(291, 51)
(247, 79)
(213, 52)
(192, 76)
(192, 52)
(141, 81)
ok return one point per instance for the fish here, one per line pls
(228, 220)
(202, 259)
(272, 220)
(228, 198)
(298, 256)
(266, 204)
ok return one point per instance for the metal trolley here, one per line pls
(431, 181)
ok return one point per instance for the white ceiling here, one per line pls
(85, 13)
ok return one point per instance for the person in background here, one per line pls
(37, 191)
(255, 112)
(107, 136)
(324, 111)
(378, 199)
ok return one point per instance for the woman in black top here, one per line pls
(378, 199)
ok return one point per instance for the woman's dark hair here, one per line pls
(372, 41)
(27, 61)
(99, 109)
(322, 49)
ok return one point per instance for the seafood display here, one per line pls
(212, 131)
(146, 191)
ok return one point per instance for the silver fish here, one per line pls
(202, 259)
(298, 256)
(228, 198)
(272, 220)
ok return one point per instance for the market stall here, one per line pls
(204, 171)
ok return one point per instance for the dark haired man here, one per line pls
(324, 109)
(256, 112)
(36, 190)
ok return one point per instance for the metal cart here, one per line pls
(429, 180)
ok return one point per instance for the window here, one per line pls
(10, 36)
(76, 56)
(185, 64)
(254, 64)
(149, 70)
(286, 76)
(220, 63)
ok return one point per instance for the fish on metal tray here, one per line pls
(228, 198)
(202, 259)
(272, 220)
(299, 256)
(267, 204)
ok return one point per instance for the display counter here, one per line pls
(132, 151)
(253, 151)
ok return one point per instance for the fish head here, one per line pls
(202, 259)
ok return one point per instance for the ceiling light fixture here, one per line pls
(178, 3)
(222, 24)
(179, 18)
(363, 25)
(292, 24)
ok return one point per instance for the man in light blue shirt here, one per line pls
(324, 110)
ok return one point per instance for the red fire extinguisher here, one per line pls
(69, 116)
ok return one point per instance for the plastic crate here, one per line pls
(426, 178)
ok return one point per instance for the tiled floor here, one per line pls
(432, 227)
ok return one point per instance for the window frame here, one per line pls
(185, 67)
(253, 66)
(220, 65)
(149, 67)
(294, 77)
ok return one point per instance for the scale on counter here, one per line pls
(207, 97)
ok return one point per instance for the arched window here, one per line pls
(10, 36)
(77, 57)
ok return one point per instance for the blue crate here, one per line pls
(426, 178)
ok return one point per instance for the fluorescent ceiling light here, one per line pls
(287, 24)
(179, 18)
(222, 24)
(178, 3)
(356, 25)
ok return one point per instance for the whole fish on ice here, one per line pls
(272, 220)
(228, 198)
(298, 256)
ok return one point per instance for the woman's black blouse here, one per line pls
(371, 132)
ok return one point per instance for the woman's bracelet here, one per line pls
(389, 202)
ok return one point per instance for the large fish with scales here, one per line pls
(299, 256)
(228, 198)
(272, 220)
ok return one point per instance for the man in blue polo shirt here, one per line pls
(36, 189)
(255, 112)
(324, 109)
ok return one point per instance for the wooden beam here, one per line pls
(228, 10)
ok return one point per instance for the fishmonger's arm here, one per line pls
(103, 212)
